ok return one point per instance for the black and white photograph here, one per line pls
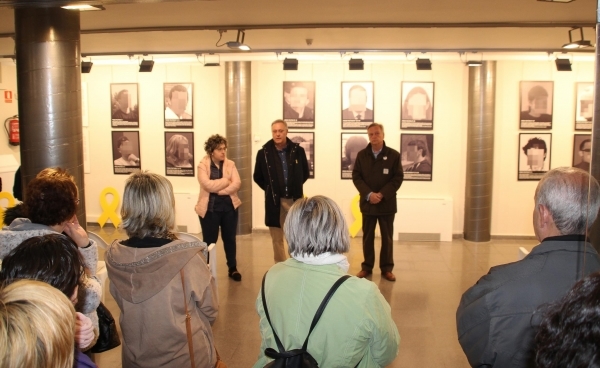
(178, 105)
(299, 104)
(357, 105)
(582, 151)
(124, 107)
(536, 105)
(584, 105)
(126, 152)
(417, 156)
(306, 140)
(352, 143)
(417, 105)
(534, 155)
(179, 154)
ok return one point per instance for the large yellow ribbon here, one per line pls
(11, 202)
(109, 208)
(355, 209)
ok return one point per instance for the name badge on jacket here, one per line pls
(386, 171)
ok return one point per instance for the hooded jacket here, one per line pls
(146, 284)
(229, 184)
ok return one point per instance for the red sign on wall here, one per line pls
(8, 96)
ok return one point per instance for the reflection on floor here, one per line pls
(431, 277)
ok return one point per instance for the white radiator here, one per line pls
(423, 219)
(186, 218)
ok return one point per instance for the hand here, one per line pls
(375, 198)
(133, 158)
(77, 233)
(84, 331)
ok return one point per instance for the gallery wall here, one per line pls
(10, 156)
(512, 199)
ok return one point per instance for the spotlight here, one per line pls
(356, 64)
(86, 66)
(146, 66)
(290, 64)
(580, 44)
(563, 65)
(212, 60)
(472, 63)
(238, 44)
(423, 64)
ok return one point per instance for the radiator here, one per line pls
(423, 219)
(186, 218)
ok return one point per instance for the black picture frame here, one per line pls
(584, 105)
(529, 167)
(179, 101)
(361, 92)
(536, 104)
(417, 105)
(124, 105)
(582, 146)
(129, 161)
(351, 144)
(306, 140)
(299, 104)
(179, 154)
(417, 156)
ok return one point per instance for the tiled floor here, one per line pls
(431, 277)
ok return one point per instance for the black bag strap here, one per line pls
(316, 318)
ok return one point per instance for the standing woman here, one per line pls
(218, 201)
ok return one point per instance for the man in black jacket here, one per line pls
(377, 174)
(497, 318)
(281, 169)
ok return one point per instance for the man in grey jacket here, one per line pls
(497, 318)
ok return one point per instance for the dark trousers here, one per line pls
(386, 256)
(210, 232)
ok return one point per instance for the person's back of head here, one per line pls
(51, 197)
(37, 325)
(13, 213)
(569, 335)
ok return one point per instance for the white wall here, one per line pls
(9, 155)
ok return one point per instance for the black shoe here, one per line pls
(235, 275)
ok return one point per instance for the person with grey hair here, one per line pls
(155, 277)
(498, 317)
(356, 328)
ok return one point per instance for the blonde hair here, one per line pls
(148, 206)
(37, 326)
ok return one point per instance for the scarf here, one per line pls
(323, 259)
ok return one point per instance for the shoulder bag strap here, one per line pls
(188, 322)
(264, 301)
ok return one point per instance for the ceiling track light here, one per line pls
(563, 65)
(423, 64)
(579, 44)
(474, 63)
(86, 66)
(146, 66)
(212, 60)
(356, 64)
(239, 44)
(290, 64)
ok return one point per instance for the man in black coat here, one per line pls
(281, 169)
(498, 317)
(377, 174)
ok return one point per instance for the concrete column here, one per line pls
(480, 152)
(595, 163)
(238, 78)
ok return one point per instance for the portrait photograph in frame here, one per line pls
(126, 152)
(417, 156)
(417, 105)
(178, 99)
(534, 155)
(179, 154)
(357, 104)
(536, 102)
(582, 151)
(584, 105)
(124, 106)
(352, 143)
(299, 104)
(306, 140)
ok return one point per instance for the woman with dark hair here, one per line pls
(218, 201)
(569, 335)
(50, 206)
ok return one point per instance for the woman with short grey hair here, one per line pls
(356, 328)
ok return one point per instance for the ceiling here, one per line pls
(171, 27)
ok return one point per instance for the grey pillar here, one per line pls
(480, 152)
(595, 163)
(49, 86)
(239, 129)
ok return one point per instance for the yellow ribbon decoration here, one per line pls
(11, 202)
(355, 209)
(109, 209)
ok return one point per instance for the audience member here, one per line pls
(356, 328)
(154, 278)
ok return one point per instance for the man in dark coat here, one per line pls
(498, 317)
(281, 169)
(377, 174)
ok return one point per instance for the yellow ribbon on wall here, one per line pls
(109, 208)
(355, 209)
(11, 202)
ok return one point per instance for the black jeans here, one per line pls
(210, 232)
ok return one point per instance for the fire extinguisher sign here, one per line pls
(8, 96)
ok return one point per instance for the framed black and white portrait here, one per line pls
(417, 105)
(352, 143)
(124, 107)
(178, 105)
(534, 155)
(299, 104)
(126, 152)
(306, 140)
(582, 151)
(357, 105)
(584, 105)
(417, 156)
(536, 105)
(179, 154)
